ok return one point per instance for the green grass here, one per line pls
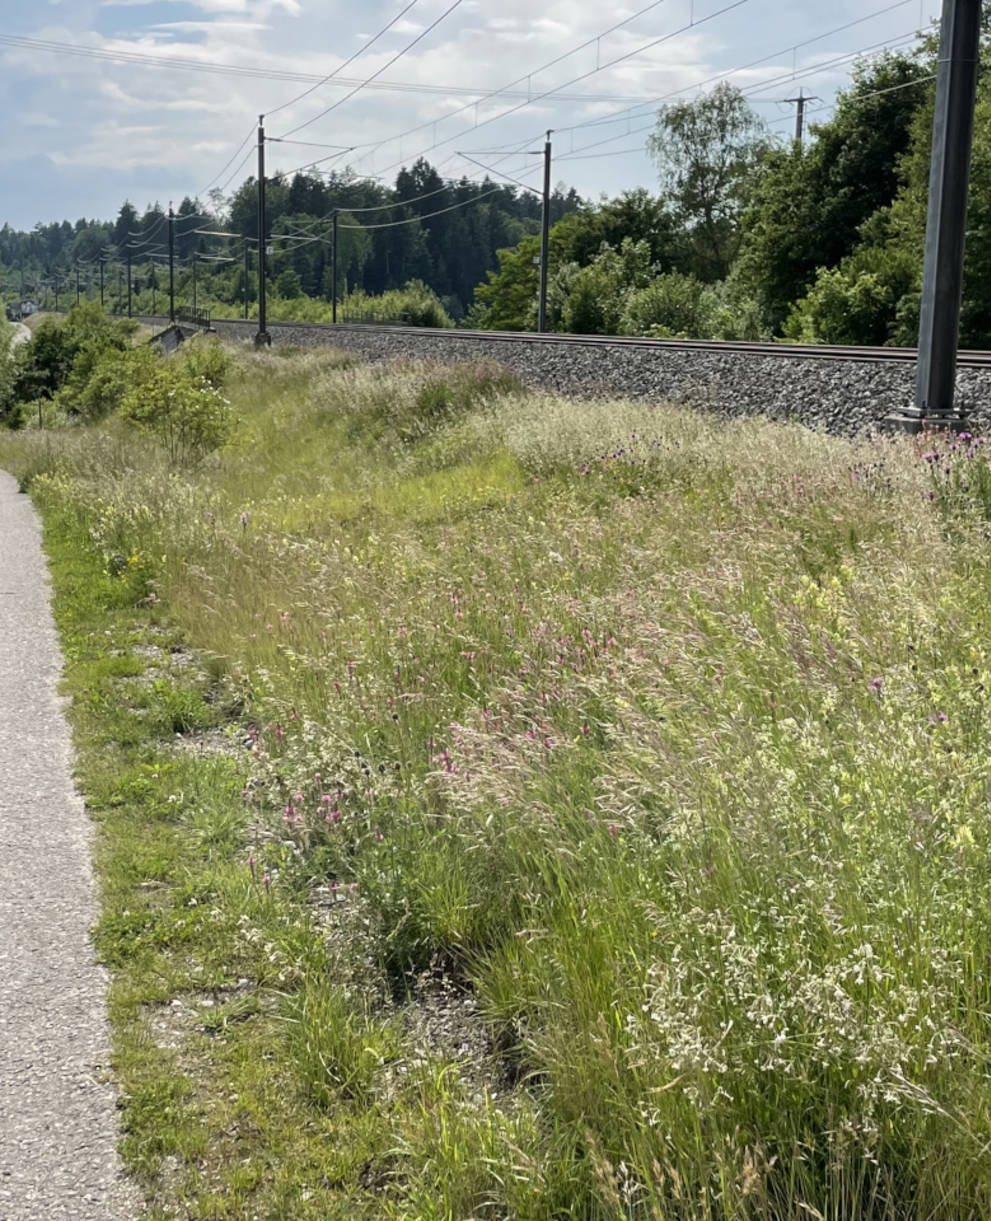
(577, 810)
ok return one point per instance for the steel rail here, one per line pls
(787, 351)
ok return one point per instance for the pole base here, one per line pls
(912, 423)
(263, 340)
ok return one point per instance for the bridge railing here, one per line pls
(193, 317)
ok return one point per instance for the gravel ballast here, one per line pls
(58, 1126)
(838, 396)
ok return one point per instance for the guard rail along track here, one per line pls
(839, 389)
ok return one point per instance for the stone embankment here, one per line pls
(838, 396)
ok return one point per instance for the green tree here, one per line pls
(596, 296)
(810, 202)
(708, 153)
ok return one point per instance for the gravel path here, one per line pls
(57, 1113)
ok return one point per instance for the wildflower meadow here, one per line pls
(565, 810)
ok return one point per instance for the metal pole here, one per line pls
(801, 102)
(942, 277)
(333, 272)
(545, 228)
(171, 265)
(129, 284)
(263, 336)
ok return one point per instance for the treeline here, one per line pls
(748, 236)
(752, 237)
(424, 228)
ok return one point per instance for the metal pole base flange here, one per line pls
(913, 423)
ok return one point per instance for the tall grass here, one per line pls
(662, 737)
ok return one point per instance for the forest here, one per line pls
(744, 236)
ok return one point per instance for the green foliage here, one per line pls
(810, 202)
(556, 881)
(961, 477)
(413, 305)
(98, 386)
(82, 363)
(708, 154)
(594, 298)
(206, 358)
(857, 302)
(669, 305)
(339, 1051)
(187, 415)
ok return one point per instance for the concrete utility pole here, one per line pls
(129, 282)
(801, 102)
(949, 177)
(171, 264)
(262, 338)
(101, 283)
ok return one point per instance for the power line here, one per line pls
(144, 59)
(251, 132)
(375, 75)
(350, 60)
(505, 89)
(747, 93)
(755, 63)
(440, 212)
(592, 72)
(491, 170)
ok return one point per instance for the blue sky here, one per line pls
(82, 134)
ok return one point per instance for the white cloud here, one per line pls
(98, 114)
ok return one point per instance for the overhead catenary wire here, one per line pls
(340, 67)
(235, 154)
(630, 111)
(375, 75)
(503, 90)
(734, 4)
(464, 203)
(490, 170)
(143, 59)
(748, 93)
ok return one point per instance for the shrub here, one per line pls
(208, 359)
(673, 304)
(189, 417)
(857, 302)
(107, 381)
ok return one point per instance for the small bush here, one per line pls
(187, 415)
(207, 359)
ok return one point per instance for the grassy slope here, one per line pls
(599, 826)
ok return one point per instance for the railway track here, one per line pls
(970, 359)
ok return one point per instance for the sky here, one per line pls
(89, 127)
